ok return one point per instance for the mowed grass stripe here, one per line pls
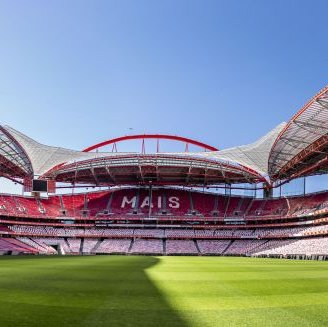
(162, 291)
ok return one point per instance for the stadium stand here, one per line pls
(89, 245)
(119, 222)
(179, 204)
(180, 247)
(15, 246)
(316, 246)
(213, 247)
(118, 246)
(163, 202)
(147, 247)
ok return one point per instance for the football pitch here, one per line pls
(162, 291)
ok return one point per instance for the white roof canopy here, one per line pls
(277, 155)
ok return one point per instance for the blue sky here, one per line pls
(73, 73)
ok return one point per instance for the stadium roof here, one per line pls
(43, 157)
(288, 151)
(301, 147)
(254, 155)
(236, 165)
(14, 161)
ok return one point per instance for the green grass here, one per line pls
(162, 291)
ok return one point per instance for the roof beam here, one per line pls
(94, 175)
(322, 103)
(188, 173)
(157, 173)
(110, 174)
(303, 124)
(141, 173)
(290, 140)
(300, 158)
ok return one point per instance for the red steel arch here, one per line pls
(151, 136)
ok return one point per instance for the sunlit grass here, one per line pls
(162, 291)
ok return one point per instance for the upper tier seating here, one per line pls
(275, 207)
(203, 203)
(232, 207)
(51, 206)
(255, 208)
(124, 201)
(97, 203)
(308, 204)
(173, 203)
(27, 205)
(73, 205)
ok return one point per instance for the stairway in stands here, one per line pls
(67, 244)
(130, 247)
(196, 244)
(216, 203)
(136, 207)
(227, 206)
(94, 249)
(248, 207)
(240, 203)
(109, 203)
(62, 207)
(81, 246)
(191, 204)
(226, 248)
(164, 246)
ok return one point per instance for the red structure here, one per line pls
(144, 137)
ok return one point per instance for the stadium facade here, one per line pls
(146, 209)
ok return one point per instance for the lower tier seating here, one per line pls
(181, 247)
(213, 247)
(147, 247)
(114, 246)
(51, 245)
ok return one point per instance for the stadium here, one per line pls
(163, 203)
(163, 163)
(135, 238)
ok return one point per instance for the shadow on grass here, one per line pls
(82, 291)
